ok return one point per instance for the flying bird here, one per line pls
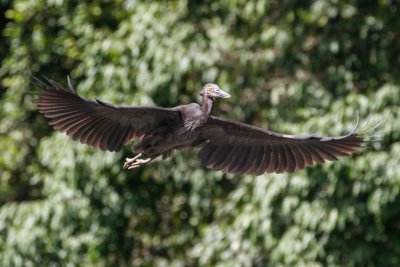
(226, 145)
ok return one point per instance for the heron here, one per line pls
(226, 145)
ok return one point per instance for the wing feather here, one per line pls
(241, 148)
(273, 160)
(242, 160)
(325, 152)
(98, 133)
(205, 154)
(290, 158)
(105, 138)
(300, 163)
(265, 154)
(258, 159)
(226, 158)
(97, 123)
(251, 163)
(306, 153)
(230, 164)
(279, 159)
(216, 156)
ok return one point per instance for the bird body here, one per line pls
(183, 135)
(228, 146)
(165, 138)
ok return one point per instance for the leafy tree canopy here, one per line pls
(290, 66)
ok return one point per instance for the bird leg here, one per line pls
(135, 162)
(138, 163)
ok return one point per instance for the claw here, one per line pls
(136, 162)
(133, 159)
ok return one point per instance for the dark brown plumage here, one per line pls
(228, 146)
(241, 148)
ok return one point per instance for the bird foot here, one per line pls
(135, 162)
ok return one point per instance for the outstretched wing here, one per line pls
(96, 123)
(235, 147)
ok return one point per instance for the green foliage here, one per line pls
(290, 66)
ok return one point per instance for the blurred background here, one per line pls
(290, 66)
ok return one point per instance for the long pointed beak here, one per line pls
(222, 94)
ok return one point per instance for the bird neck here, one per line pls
(207, 105)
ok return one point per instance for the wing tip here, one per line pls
(358, 130)
(39, 84)
(354, 130)
(369, 133)
(47, 85)
(71, 84)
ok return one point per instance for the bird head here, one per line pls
(212, 90)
